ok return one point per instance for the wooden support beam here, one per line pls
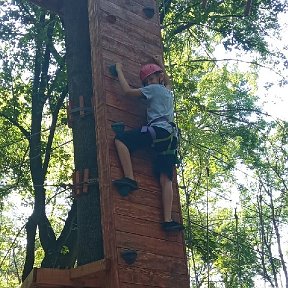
(92, 275)
(92, 270)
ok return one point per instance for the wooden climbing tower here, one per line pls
(137, 252)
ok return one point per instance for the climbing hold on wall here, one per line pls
(129, 256)
(125, 185)
(149, 12)
(111, 19)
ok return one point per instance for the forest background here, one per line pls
(233, 175)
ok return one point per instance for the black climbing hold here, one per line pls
(125, 185)
(111, 19)
(129, 256)
(149, 12)
(112, 70)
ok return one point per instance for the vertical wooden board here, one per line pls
(100, 112)
(133, 221)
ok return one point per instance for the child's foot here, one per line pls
(125, 185)
(172, 226)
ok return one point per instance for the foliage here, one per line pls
(28, 84)
(233, 155)
(223, 134)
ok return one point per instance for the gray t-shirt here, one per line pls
(159, 105)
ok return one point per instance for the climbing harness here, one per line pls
(174, 134)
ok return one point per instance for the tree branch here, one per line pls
(52, 129)
(16, 124)
(31, 227)
(248, 8)
(64, 253)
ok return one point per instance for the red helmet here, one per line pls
(148, 69)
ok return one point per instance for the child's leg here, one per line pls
(125, 159)
(167, 196)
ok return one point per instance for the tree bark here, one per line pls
(77, 39)
(74, 16)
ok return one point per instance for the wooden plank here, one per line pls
(147, 198)
(137, 108)
(128, 13)
(112, 85)
(135, 210)
(128, 34)
(134, 6)
(140, 165)
(53, 277)
(96, 269)
(130, 68)
(132, 35)
(120, 102)
(116, 115)
(152, 278)
(56, 278)
(126, 51)
(30, 279)
(145, 182)
(156, 262)
(145, 228)
(151, 245)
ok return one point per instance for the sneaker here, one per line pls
(125, 185)
(172, 226)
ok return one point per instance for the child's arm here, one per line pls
(158, 60)
(128, 91)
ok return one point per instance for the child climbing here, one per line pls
(160, 133)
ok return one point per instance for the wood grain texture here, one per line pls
(151, 278)
(132, 14)
(144, 227)
(99, 102)
(148, 244)
(135, 220)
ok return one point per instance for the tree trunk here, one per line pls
(76, 26)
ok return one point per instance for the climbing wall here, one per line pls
(128, 31)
